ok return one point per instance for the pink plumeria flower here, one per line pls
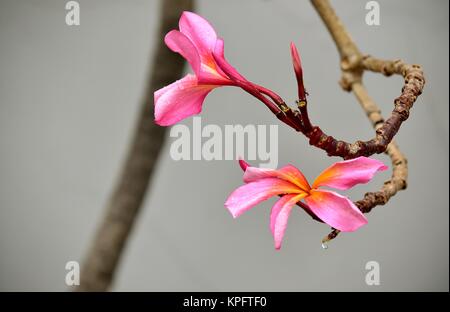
(198, 43)
(332, 208)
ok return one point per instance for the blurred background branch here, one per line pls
(103, 257)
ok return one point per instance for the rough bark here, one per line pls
(353, 64)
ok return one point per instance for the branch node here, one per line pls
(300, 103)
(350, 77)
(351, 62)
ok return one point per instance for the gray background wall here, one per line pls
(69, 96)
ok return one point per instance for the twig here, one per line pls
(124, 204)
(353, 64)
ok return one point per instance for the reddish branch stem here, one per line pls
(414, 83)
(299, 119)
(353, 65)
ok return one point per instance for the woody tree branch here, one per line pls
(104, 255)
(353, 65)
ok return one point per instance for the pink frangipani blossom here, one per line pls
(197, 41)
(332, 208)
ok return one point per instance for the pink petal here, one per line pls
(223, 64)
(288, 173)
(219, 48)
(179, 100)
(346, 174)
(204, 38)
(251, 194)
(280, 214)
(179, 43)
(211, 72)
(336, 210)
(200, 32)
(243, 164)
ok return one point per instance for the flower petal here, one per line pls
(251, 194)
(179, 43)
(210, 71)
(219, 48)
(288, 173)
(200, 32)
(346, 174)
(179, 100)
(223, 64)
(336, 210)
(204, 38)
(280, 214)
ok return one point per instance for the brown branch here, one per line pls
(351, 81)
(124, 204)
(353, 64)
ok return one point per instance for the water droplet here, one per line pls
(324, 246)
